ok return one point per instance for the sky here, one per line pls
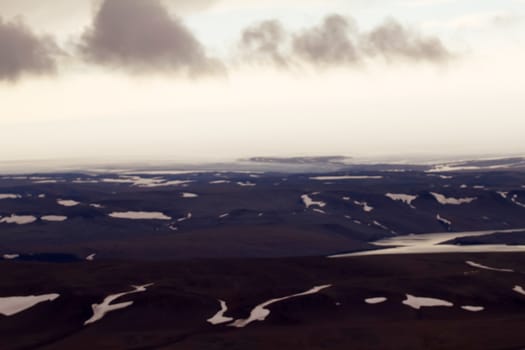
(195, 80)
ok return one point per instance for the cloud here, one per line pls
(392, 41)
(142, 37)
(330, 43)
(336, 41)
(262, 42)
(22, 52)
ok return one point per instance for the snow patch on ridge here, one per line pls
(405, 198)
(308, 201)
(452, 201)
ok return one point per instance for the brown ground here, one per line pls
(172, 314)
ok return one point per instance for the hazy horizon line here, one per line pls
(178, 163)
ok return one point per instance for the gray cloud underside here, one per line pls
(336, 42)
(391, 40)
(263, 42)
(24, 53)
(330, 43)
(141, 36)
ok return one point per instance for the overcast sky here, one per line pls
(221, 79)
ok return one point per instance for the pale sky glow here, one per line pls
(472, 103)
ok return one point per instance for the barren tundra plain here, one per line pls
(376, 258)
(173, 313)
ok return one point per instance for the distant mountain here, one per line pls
(301, 160)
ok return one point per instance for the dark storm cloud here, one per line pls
(391, 40)
(263, 42)
(22, 52)
(141, 36)
(336, 41)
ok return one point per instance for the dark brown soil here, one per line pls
(172, 314)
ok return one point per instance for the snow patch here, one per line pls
(18, 219)
(453, 201)
(405, 198)
(217, 182)
(140, 215)
(480, 266)
(419, 302)
(100, 310)
(10, 306)
(10, 256)
(462, 167)
(335, 178)
(364, 205)
(473, 308)
(503, 194)
(219, 317)
(308, 201)
(9, 196)
(67, 202)
(260, 312)
(187, 217)
(146, 181)
(54, 218)
(373, 301)
(246, 184)
(435, 243)
(443, 220)
(84, 181)
(519, 290)
(380, 225)
(514, 200)
(166, 172)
